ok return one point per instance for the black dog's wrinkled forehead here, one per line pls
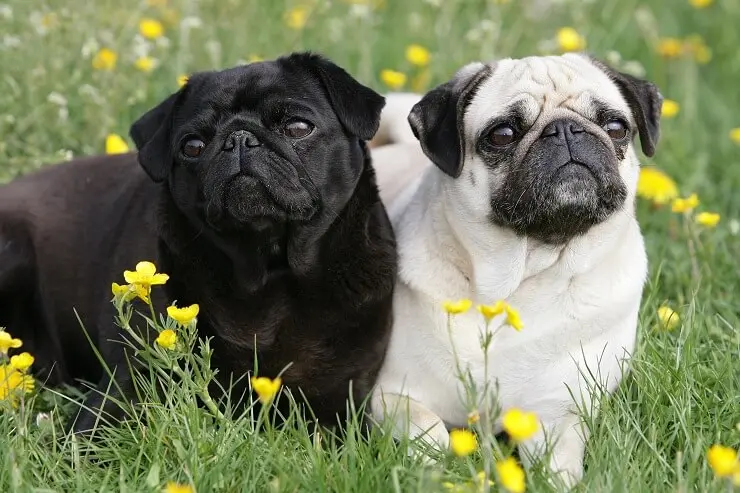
(270, 86)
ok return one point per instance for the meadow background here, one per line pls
(75, 74)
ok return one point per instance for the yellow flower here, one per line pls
(145, 63)
(569, 39)
(670, 108)
(688, 204)
(473, 417)
(22, 362)
(167, 339)
(490, 311)
(182, 80)
(418, 55)
(393, 79)
(735, 135)
(8, 342)
(723, 460)
(12, 381)
(695, 45)
(151, 28)
(457, 307)
(463, 442)
(296, 17)
(655, 185)
(145, 275)
(700, 4)
(520, 425)
(254, 58)
(707, 219)
(183, 315)
(173, 487)
(512, 318)
(670, 47)
(669, 319)
(105, 59)
(511, 475)
(266, 388)
(114, 144)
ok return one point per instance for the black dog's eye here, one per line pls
(193, 147)
(502, 135)
(616, 129)
(297, 129)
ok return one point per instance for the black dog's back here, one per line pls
(65, 235)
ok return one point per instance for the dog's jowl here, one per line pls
(254, 191)
(520, 189)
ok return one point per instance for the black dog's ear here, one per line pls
(645, 102)
(151, 134)
(357, 106)
(437, 120)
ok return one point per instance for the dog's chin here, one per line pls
(560, 207)
(248, 203)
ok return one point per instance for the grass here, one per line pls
(683, 393)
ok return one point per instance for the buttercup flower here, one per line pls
(145, 275)
(669, 319)
(520, 425)
(688, 204)
(418, 55)
(735, 135)
(569, 40)
(695, 45)
(707, 219)
(296, 17)
(463, 442)
(105, 59)
(167, 339)
(183, 315)
(655, 185)
(8, 342)
(21, 362)
(266, 388)
(114, 144)
(670, 47)
(182, 80)
(700, 4)
(512, 318)
(145, 63)
(151, 28)
(490, 311)
(393, 79)
(12, 382)
(723, 460)
(173, 487)
(670, 108)
(511, 475)
(457, 307)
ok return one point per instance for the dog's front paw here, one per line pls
(430, 445)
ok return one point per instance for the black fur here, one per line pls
(437, 120)
(285, 243)
(644, 100)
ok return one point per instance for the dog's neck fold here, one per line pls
(478, 260)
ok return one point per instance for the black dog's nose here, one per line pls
(241, 137)
(562, 129)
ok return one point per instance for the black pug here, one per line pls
(256, 194)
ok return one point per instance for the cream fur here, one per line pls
(579, 302)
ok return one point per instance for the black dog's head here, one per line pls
(541, 145)
(267, 143)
